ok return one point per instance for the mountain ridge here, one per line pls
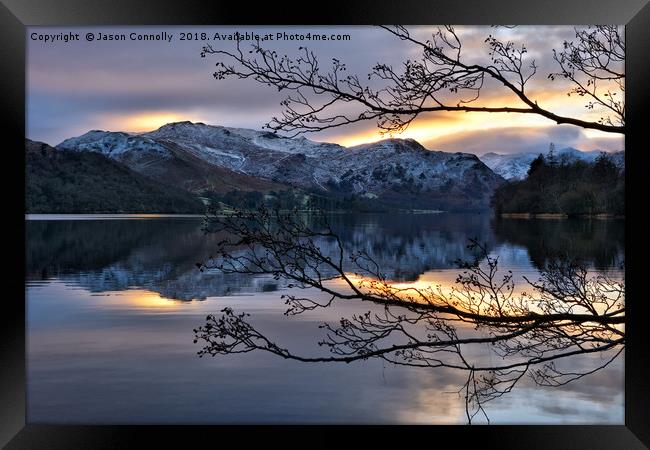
(208, 160)
(393, 171)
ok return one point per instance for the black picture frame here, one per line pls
(15, 15)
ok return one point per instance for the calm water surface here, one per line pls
(111, 305)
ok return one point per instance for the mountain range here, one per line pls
(395, 172)
(185, 160)
(515, 166)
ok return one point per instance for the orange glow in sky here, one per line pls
(147, 121)
(428, 127)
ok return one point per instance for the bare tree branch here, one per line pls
(567, 313)
(441, 80)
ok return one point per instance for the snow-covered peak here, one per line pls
(184, 129)
(113, 144)
(225, 139)
(90, 136)
(394, 145)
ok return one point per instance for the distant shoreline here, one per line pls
(558, 216)
(126, 216)
(104, 216)
(142, 216)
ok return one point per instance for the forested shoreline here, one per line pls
(563, 188)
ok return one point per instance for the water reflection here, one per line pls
(598, 242)
(161, 255)
(109, 327)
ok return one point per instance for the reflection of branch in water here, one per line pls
(568, 311)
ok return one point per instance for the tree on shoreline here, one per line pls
(443, 79)
(573, 188)
(566, 313)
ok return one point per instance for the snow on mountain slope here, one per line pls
(394, 170)
(515, 166)
(404, 167)
(237, 139)
(165, 161)
(116, 145)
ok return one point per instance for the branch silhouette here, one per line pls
(443, 79)
(567, 312)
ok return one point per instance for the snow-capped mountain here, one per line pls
(296, 162)
(516, 165)
(398, 171)
(165, 161)
(118, 146)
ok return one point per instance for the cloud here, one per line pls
(523, 139)
(76, 86)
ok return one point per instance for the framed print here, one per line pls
(230, 219)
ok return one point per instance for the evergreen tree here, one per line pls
(536, 164)
(552, 157)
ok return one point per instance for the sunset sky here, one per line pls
(138, 86)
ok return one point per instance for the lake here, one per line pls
(112, 304)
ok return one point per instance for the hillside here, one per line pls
(59, 181)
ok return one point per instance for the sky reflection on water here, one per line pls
(108, 344)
